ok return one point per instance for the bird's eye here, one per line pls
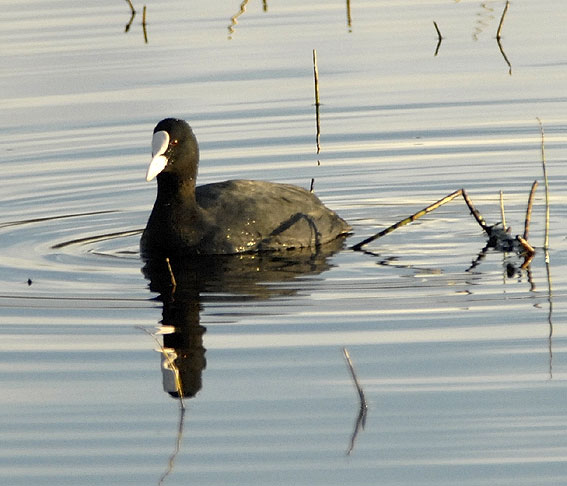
(174, 142)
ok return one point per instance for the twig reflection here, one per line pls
(348, 16)
(501, 24)
(361, 419)
(133, 14)
(439, 37)
(234, 18)
(546, 249)
(177, 448)
(144, 25)
(499, 36)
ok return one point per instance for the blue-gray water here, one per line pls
(463, 366)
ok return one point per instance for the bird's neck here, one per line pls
(172, 189)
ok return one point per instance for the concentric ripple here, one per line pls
(82, 255)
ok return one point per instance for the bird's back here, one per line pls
(243, 215)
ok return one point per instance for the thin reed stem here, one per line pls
(144, 25)
(529, 210)
(546, 238)
(479, 219)
(409, 219)
(317, 103)
(501, 24)
(529, 249)
(439, 36)
(502, 212)
(361, 418)
(171, 275)
(316, 76)
(349, 16)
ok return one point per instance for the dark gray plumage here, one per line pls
(227, 217)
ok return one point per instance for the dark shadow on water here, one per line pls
(185, 284)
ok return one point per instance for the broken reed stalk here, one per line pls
(348, 15)
(479, 219)
(529, 210)
(439, 36)
(316, 76)
(317, 103)
(317, 117)
(234, 18)
(546, 238)
(144, 25)
(529, 249)
(171, 275)
(499, 31)
(133, 14)
(498, 37)
(361, 419)
(355, 379)
(410, 219)
(502, 212)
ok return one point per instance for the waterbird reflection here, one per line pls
(184, 284)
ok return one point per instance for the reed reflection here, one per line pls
(234, 18)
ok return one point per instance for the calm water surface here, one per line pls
(461, 353)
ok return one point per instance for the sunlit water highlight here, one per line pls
(461, 353)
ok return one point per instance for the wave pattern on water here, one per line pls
(460, 351)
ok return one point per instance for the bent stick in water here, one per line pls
(409, 219)
(529, 211)
(479, 219)
(501, 24)
(361, 419)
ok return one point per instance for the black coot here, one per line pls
(225, 217)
